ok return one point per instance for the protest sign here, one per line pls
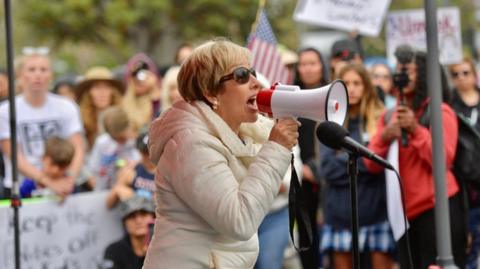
(72, 235)
(362, 16)
(408, 27)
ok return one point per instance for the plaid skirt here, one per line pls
(377, 237)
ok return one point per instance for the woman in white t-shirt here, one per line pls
(39, 115)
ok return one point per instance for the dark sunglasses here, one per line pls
(457, 74)
(241, 75)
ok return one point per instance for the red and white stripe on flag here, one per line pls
(267, 60)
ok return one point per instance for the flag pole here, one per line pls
(261, 6)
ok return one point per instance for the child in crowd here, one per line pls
(58, 155)
(113, 149)
(138, 179)
(137, 214)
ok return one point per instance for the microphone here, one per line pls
(336, 137)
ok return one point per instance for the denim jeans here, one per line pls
(474, 229)
(273, 235)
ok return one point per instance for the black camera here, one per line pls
(400, 79)
(405, 54)
(138, 71)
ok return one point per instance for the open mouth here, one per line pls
(252, 102)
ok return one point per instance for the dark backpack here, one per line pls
(466, 166)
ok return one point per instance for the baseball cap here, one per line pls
(134, 204)
(344, 49)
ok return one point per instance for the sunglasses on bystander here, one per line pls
(457, 74)
(241, 75)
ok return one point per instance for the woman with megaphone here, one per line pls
(375, 236)
(215, 180)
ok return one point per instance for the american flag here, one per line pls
(266, 57)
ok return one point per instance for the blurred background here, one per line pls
(83, 33)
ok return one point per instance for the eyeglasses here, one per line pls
(457, 74)
(241, 75)
(27, 51)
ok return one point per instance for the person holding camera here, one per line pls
(219, 167)
(142, 100)
(408, 123)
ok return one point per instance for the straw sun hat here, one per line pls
(96, 74)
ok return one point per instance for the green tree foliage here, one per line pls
(109, 31)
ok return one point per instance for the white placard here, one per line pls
(363, 16)
(72, 236)
(408, 27)
(396, 217)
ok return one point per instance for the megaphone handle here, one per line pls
(283, 116)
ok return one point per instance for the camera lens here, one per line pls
(141, 75)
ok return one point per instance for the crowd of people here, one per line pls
(186, 151)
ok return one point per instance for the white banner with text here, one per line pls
(362, 16)
(408, 27)
(72, 235)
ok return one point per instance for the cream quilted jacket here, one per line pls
(213, 189)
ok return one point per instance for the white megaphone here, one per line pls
(327, 103)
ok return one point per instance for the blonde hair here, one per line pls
(59, 150)
(169, 80)
(20, 63)
(370, 105)
(90, 114)
(115, 120)
(138, 108)
(201, 72)
(466, 60)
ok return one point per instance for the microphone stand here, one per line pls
(353, 172)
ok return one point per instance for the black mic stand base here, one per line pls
(353, 172)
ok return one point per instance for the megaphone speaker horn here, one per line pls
(327, 103)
